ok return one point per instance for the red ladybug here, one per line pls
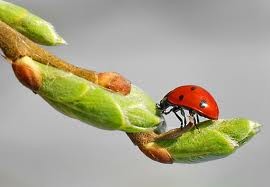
(195, 99)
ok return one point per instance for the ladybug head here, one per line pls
(163, 104)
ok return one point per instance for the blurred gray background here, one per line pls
(220, 45)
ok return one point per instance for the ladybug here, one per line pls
(195, 99)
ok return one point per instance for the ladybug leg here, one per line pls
(158, 106)
(195, 117)
(172, 109)
(184, 115)
(192, 116)
(198, 119)
(180, 119)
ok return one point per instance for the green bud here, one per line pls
(213, 140)
(86, 101)
(32, 26)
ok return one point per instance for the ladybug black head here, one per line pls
(163, 105)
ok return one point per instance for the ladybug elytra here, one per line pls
(195, 99)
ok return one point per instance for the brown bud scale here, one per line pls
(157, 153)
(114, 81)
(28, 75)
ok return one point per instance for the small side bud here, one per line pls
(156, 153)
(27, 73)
(115, 82)
(145, 142)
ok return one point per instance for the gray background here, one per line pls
(221, 45)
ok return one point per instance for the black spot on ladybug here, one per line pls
(193, 88)
(181, 97)
(203, 104)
